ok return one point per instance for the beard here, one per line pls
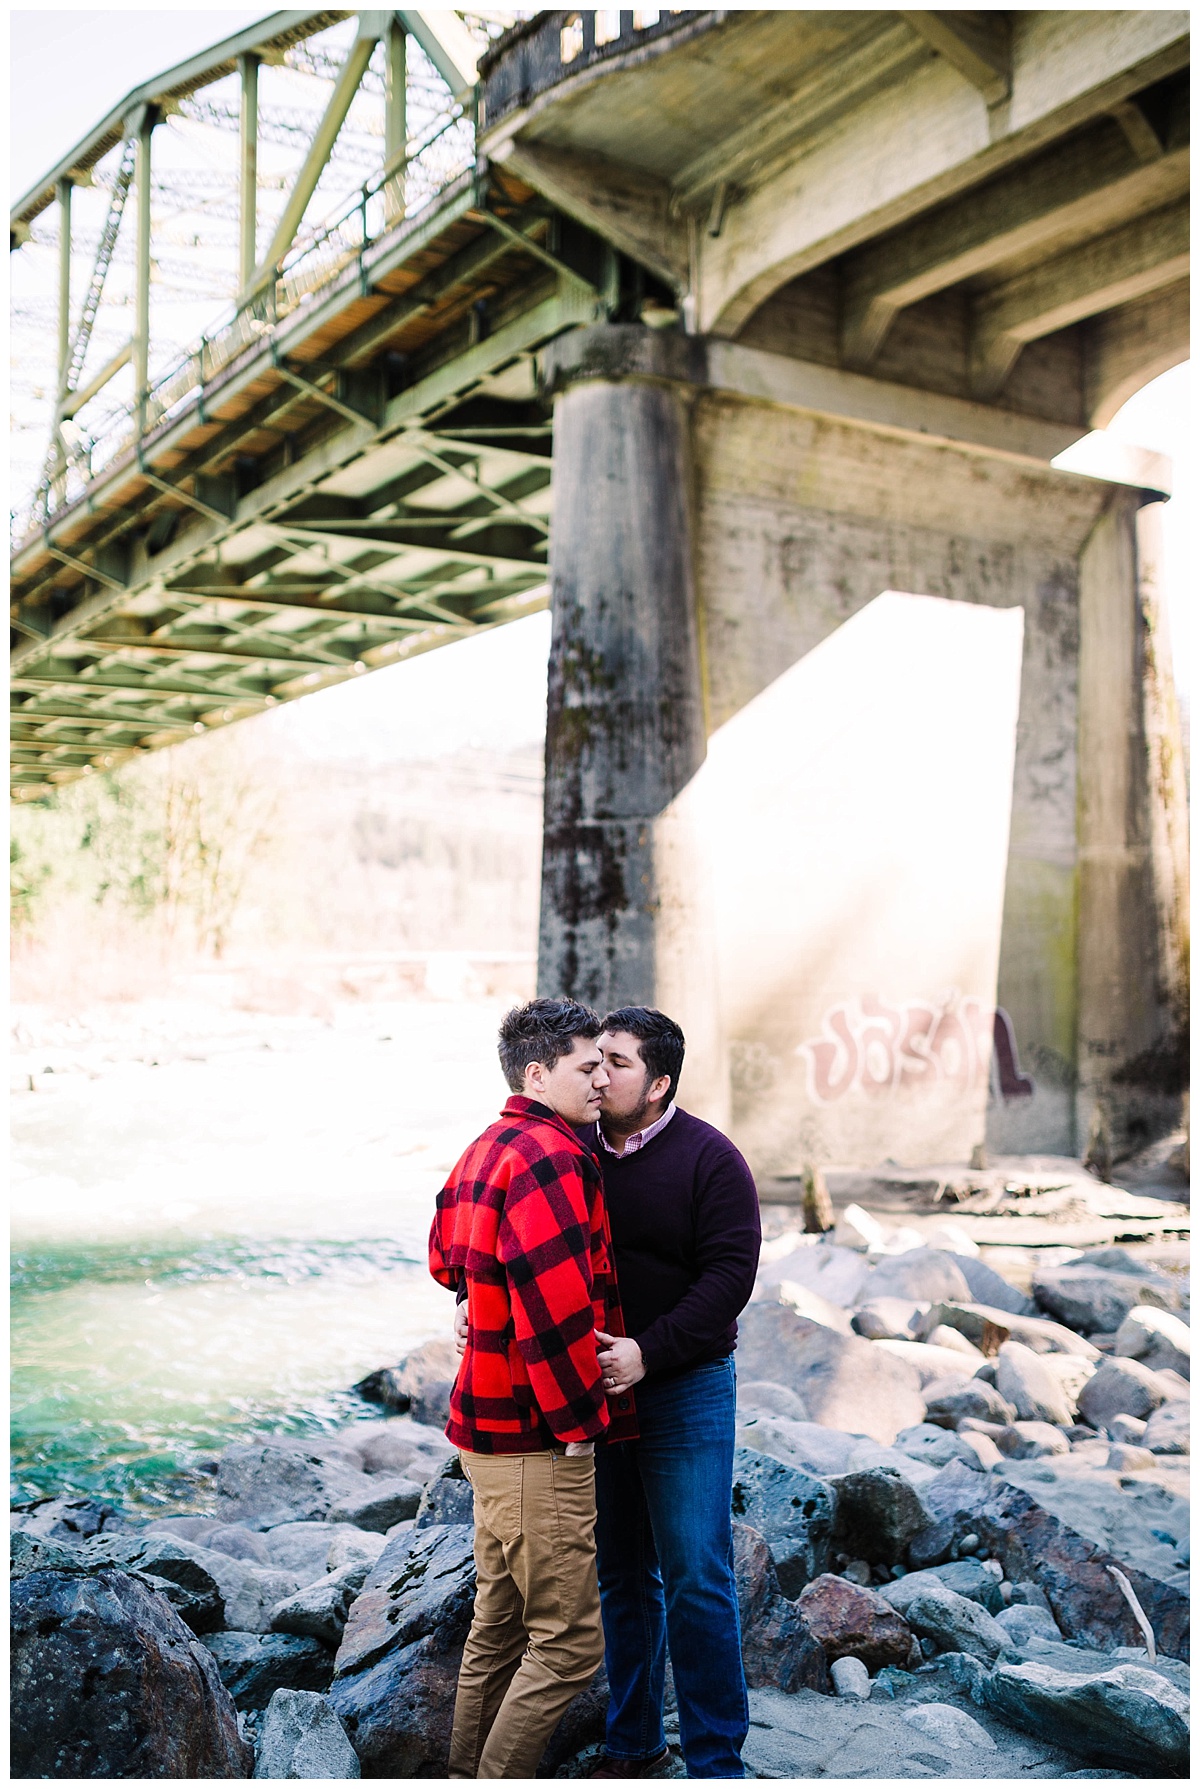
(632, 1121)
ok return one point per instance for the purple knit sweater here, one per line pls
(686, 1234)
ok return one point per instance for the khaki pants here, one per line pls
(536, 1639)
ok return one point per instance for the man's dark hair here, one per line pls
(661, 1041)
(542, 1031)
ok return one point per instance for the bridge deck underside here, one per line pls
(367, 481)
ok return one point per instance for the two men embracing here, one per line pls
(601, 1242)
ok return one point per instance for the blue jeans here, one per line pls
(664, 1553)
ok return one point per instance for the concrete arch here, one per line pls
(1129, 347)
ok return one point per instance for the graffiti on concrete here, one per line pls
(878, 1048)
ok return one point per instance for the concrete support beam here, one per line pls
(248, 190)
(977, 44)
(1141, 135)
(628, 351)
(881, 57)
(1091, 181)
(1132, 897)
(894, 155)
(625, 719)
(630, 209)
(1129, 263)
(1126, 349)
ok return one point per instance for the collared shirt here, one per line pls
(639, 1139)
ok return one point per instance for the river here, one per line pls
(219, 1225)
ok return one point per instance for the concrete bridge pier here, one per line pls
(1133, 850)
(625, 720)
(861, 758)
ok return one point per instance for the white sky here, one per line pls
(70, 68)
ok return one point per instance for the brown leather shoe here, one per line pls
(632, 1767)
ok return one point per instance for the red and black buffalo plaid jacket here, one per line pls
(522, 1220)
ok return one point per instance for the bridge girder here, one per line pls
(364, 472)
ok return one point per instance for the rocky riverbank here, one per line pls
(960, 1508)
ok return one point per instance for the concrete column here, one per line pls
(1132, 987)
(625, 720)
(1166, 781)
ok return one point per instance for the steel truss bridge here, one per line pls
(353, 469)
(352, 464)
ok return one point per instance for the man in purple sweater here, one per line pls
(685, 1229)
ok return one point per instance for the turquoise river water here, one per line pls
(226, 1234)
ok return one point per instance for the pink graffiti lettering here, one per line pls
(877, 1048)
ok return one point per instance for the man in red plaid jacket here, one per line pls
(522, 1230)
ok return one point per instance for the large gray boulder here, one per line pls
(968, 1578)
(35, 1553)
(1093, 1299)
(421, 1384)
(987, 1326)
(990, 1288)
(808, 1446)
(792, 1510)
(955, 1623)
(1169, 1430)
(405, 1449)
(951, 1401)
(1032, 1440)
(301, 1737)
(804, 1738)
(1127, 1717)
(921, 1275)
(878, 1513)
(1120, 1388)
(239, 1542)
(378, 1504)
(106, 1681)
(778, 1647)
(320, 1610)
(67, 1518)
(173, 1568)
(844, 1382)
(302, 1548)
(249, 1591)
(1035, 1544)
(265, 1483)
(1157, 1338)
(762, 1397)
(447, 1498)
(1033, 1392)
(397, 1666)
(933, 1445)
(254, 1666)
(1022, 1623)
(834, 1274)
(890, 1319)
(931, 1361)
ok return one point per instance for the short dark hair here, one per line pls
(661, 1040)
(542, 1031)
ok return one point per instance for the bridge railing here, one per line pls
(539, 52)
(312, 267)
